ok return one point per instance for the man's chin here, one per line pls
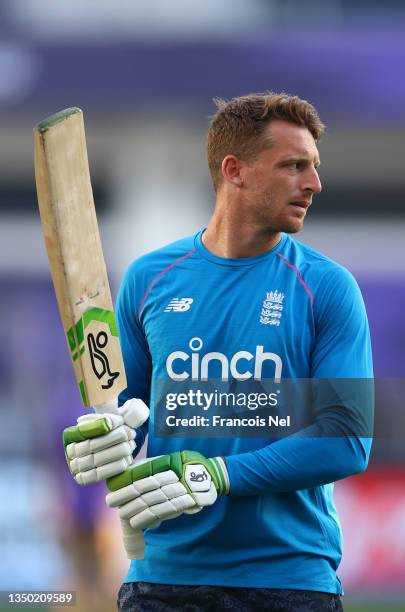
(292, 226)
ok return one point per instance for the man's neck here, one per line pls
(232, 236)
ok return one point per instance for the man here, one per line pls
(252, 520)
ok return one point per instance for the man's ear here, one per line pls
(231, 170)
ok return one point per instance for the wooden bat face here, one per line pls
(75, 256)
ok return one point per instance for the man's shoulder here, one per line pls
(307, 258)
(316, 268)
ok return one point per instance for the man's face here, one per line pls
(280, 183)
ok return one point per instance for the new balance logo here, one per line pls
(179, 305)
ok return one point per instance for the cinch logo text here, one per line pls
(179, 368)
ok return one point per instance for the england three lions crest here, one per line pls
(272, 308)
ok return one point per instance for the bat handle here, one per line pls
(134, 542)
(109, 407)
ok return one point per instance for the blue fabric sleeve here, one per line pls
(327, 450)
(137, 358)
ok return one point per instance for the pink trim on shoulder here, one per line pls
(158, 276)
(303, 283)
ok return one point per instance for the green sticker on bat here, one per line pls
(96, 345)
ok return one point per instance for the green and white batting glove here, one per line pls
(166, 487)
(101, 445)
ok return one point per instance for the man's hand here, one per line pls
(101, 445)
(167, 486)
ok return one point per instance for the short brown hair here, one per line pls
(238, 126)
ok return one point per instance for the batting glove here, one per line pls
(166, 487)
(101, 445)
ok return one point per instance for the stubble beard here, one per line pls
(274, 223)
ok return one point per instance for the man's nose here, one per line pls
(318, 183)
(313, 182)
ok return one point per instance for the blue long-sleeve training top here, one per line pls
(290, 313)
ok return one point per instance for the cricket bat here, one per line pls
(78, 270)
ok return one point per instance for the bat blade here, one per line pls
(72, 240)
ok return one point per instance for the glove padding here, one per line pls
(166, 487)
(101, 445)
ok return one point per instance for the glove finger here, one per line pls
(86, 478)
(122, 496)
(121, 434)
(109, 455)
(174, 490)
(155, 482)
(80, 449)
(133, 508)
(207, 498)
(144, 520)
(86, 418)
(172, 515)
(175, 506)
(126, 494)
(114, 468)
(154, 497)
(182, 503)
(81, 465)
(135, 412)
(114, 420)
(193, 510)
(114, 453)
(71, 450)
(157, 502)
(147, 517)
(103, 472)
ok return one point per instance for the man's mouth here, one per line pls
(301, 204)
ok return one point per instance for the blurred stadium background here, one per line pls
(145, 75)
